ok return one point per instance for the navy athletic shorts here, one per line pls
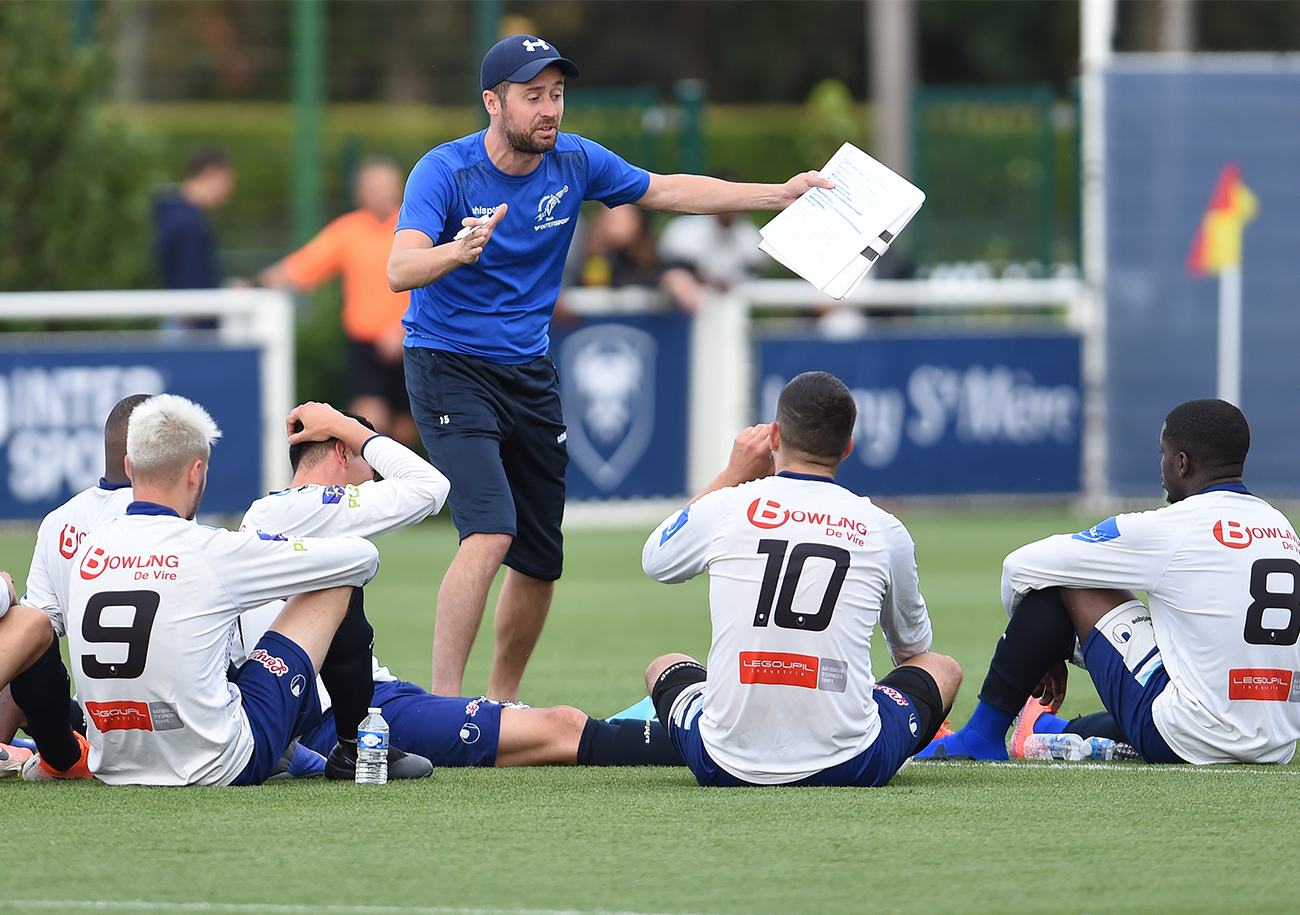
(907, 724)
(278, 692)
(497, 432)
(370, 376)
(447, 731)
(1125, 665)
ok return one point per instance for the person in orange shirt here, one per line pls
(355, 247)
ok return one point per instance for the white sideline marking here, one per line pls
(229, 908)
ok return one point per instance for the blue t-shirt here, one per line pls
(500, 307)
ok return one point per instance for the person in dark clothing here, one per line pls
(184, 246)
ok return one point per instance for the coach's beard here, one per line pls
(524, 142)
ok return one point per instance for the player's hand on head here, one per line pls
(800, 184)
(317, 421)
(751, 454)
(475, 240)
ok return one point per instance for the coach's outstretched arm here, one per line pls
(699, 194)
(416, 261)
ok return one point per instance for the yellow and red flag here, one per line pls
(1217, 243)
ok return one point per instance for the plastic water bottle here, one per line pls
(1101, 749)
(372, 750)
(1064, 747)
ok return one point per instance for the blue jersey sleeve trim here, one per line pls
(369, 440)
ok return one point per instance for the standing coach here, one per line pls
(481, 240)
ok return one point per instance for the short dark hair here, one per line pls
(500, 90)
(816, 414)
(205, 157)
(314, 452)
(1212, 432)
(115, 424)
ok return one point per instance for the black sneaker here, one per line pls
(341, 764)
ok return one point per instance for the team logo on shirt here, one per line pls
(470, 733)
(297, 684)
(769, 514)
(69, 539)
(546, 206)
(98, 559)
(1238, 536)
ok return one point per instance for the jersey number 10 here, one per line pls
(785, 617)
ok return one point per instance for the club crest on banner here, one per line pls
(607, 378)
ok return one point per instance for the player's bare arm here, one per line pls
(416, 261)
(697, 194)
(321, 422)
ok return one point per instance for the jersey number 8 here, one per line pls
(1264, 599)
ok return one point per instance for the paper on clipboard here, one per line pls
(832, 237)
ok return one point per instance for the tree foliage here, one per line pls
(74, 184)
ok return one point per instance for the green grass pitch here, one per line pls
(951, 837)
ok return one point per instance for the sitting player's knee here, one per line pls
(659, 665)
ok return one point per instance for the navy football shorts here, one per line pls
(497, 432)
(277, 686)
(905, 726)
(1125, 665)
(448, 731)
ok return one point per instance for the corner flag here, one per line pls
(1217, 243)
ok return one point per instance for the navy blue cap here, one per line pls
(521, 57)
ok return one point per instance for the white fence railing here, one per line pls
(247, 317)
(722, 382)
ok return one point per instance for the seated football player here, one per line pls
(1201, 674)
(349, 481)
(800, 571)
(39, 693)
(151, 611)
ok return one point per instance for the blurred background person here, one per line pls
(185, 250)
(621, 252)
(355, 247)
(720, 250)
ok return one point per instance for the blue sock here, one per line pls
(983, 737)
(1048, 723)
(989, 723)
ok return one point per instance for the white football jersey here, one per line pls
(410, 491)
(800, 570)
(151, 604)
(59, 536)
(1222, 573)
